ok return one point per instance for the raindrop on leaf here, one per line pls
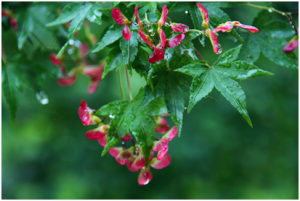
(42, 97)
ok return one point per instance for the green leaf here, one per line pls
(174, 102)
(78, 20)
(63, 49)
(193, 69)
(27, 28)
(241, 70)
(141, 64)
(69, 12)
(112, 108)
(94, 15)
(226, 4)
(229, 56)
(186, 49)
(114, 60)
(233, 92)
(11, 89)
(196, 17)
(111, 141)
(150, 95)
(156, 107)
(202, 85)
(129, 48)
(181, 6)
(120, 124)
(113, 34)
(250, 51)
(142, 128)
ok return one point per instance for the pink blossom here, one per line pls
(122, 20)
(291, 46)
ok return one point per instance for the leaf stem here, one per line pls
(128, 83)
(288, 15)
(121, 87)
(198, 54)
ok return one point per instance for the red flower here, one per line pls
(250, 28)
(213, 39)
(180, 28)
(163, 17)
(173, 42)
(292, 44)
(54, 60)
(227, 26)
(66, 79)
(122, 20)
(13, 23)
(97, 133)
(162, 145)
(5, 13)
(95, 73)
(204, 14)
(86, 114)
(138, 19)
(161, 125)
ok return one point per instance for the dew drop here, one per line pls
(220, 49)
(111, 116)
(195, 84)
(293, 26)
(283, 14)
(291, 22)
(227, 64)
(77, 43)
(193, 66)
(186, 12)
(167, 24)
(270, 10)
(237, 65)
(192, 90)
(187, 29)
(42, 97)
(70, 51)
(199, 80)
(71, 42)
(238, 85)
(234, 76)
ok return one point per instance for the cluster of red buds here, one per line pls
(226, 27)
(133, 157)
(93, 72)
(159, 49)
(12, 19)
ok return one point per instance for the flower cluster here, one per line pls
(133, 157)
(159, 49)
(93, 72)
(225, 27)
(12, 19)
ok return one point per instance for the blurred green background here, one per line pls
(218, 156)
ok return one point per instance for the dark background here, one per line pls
(218, 156)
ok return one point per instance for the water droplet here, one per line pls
(71, 42)
(220, 49)
(192, 90)
(193, 66)
(186, 12)
(270, 10)
(237, 65)
(186, 70)
(227, 64)
(167, 24)
(238, 85)
(234, 76)
(42, 97)
(291, 22)
(70, 51)
(111, 116)
(195, 84)
(186, 30)
(77, 43)
(199, 80)
(283, 14)
(292, 26)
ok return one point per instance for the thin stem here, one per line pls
(198, 54)
(128, 83)
(288, 15)
(121, 87)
